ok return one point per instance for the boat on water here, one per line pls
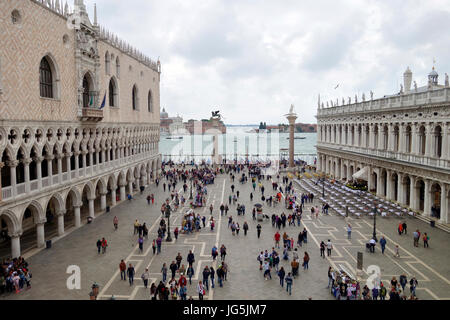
(297, 138)
(174, 138)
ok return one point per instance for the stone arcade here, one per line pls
(63, 156)
(399, 144)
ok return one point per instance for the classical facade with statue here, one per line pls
(397, 144)
(79, 121)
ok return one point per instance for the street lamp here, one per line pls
(167, 212)
(375, 221)
(190, 196)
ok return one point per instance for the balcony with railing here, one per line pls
(392, 155)
(83, 173)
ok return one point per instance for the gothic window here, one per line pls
(112, 94)
(88, 98)
(46, 79)
(135, 99)
(150, 101)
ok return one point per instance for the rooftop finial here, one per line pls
(95, 14)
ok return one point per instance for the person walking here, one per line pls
(305, 261)
(116, 222)
(329, 248)
(267, 268)
(211, 208)
(164, 272)
(190, 273)
(322, 249)
(245, 227)
(416, 237)
(349, 231)
(145, 277)
(425, 238)
(200, 290)
(403, 281)
(99, 245)
(206, 274)
(104, 245)
(383, 244)
(258, 230)
(123, 269)
(158, 244)
(130, 272)
(223, 252)
(281, 274)
(212, 276)
(190, 258)
(277, 239)
(330, 276)
(404, 226)
(173, 267)
(289, 281)
(413, 285)
(141, 244)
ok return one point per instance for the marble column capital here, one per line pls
(13, 163)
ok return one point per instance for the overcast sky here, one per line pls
(251, 59)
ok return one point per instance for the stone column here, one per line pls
(429, 141)
(26, 164)
(38, 161)
(371, 136)
(102, 201)
(333, 134)
(379, 184)
(389, 186)
(83, 158)
(91, 208)
(61, 222)
(349, 175)
(401, 138)
(15, 244)
(122, 193)
(427, 200)
(413, 194)
(2, 164)
(77, 214)
(113, 197)
(68, 155)
(400, 189)
(445, 151)
(77, 163)
(91, 161)
(130, 187)
(291, 118)
(369, 179)
(12, 167)
(444, 204)
(59, 157)
(40, 234)
(391, 137)
(414, 139)
(97, 159)
(50, 169)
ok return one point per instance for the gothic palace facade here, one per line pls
(399, 144)
(64, 157)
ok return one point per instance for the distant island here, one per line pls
(299, 127)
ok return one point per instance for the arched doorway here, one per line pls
(407, 190)
(54, 207)
(420, 194)
(394, 178)
(8, 225)
(88, 94)
(71, 202)
(86, 194)
(436, 200)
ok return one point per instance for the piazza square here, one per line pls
(105, 196)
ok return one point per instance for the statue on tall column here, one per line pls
(446, 80)
(371, 95)
(415, 86)
(291, 110)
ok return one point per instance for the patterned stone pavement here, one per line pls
(244, 281)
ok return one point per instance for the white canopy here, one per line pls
(362, 174)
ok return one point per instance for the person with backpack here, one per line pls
(214, 253)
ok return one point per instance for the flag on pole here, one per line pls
(103, 102)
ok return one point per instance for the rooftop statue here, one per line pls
(371, 95)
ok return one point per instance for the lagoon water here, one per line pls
(236, 144)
